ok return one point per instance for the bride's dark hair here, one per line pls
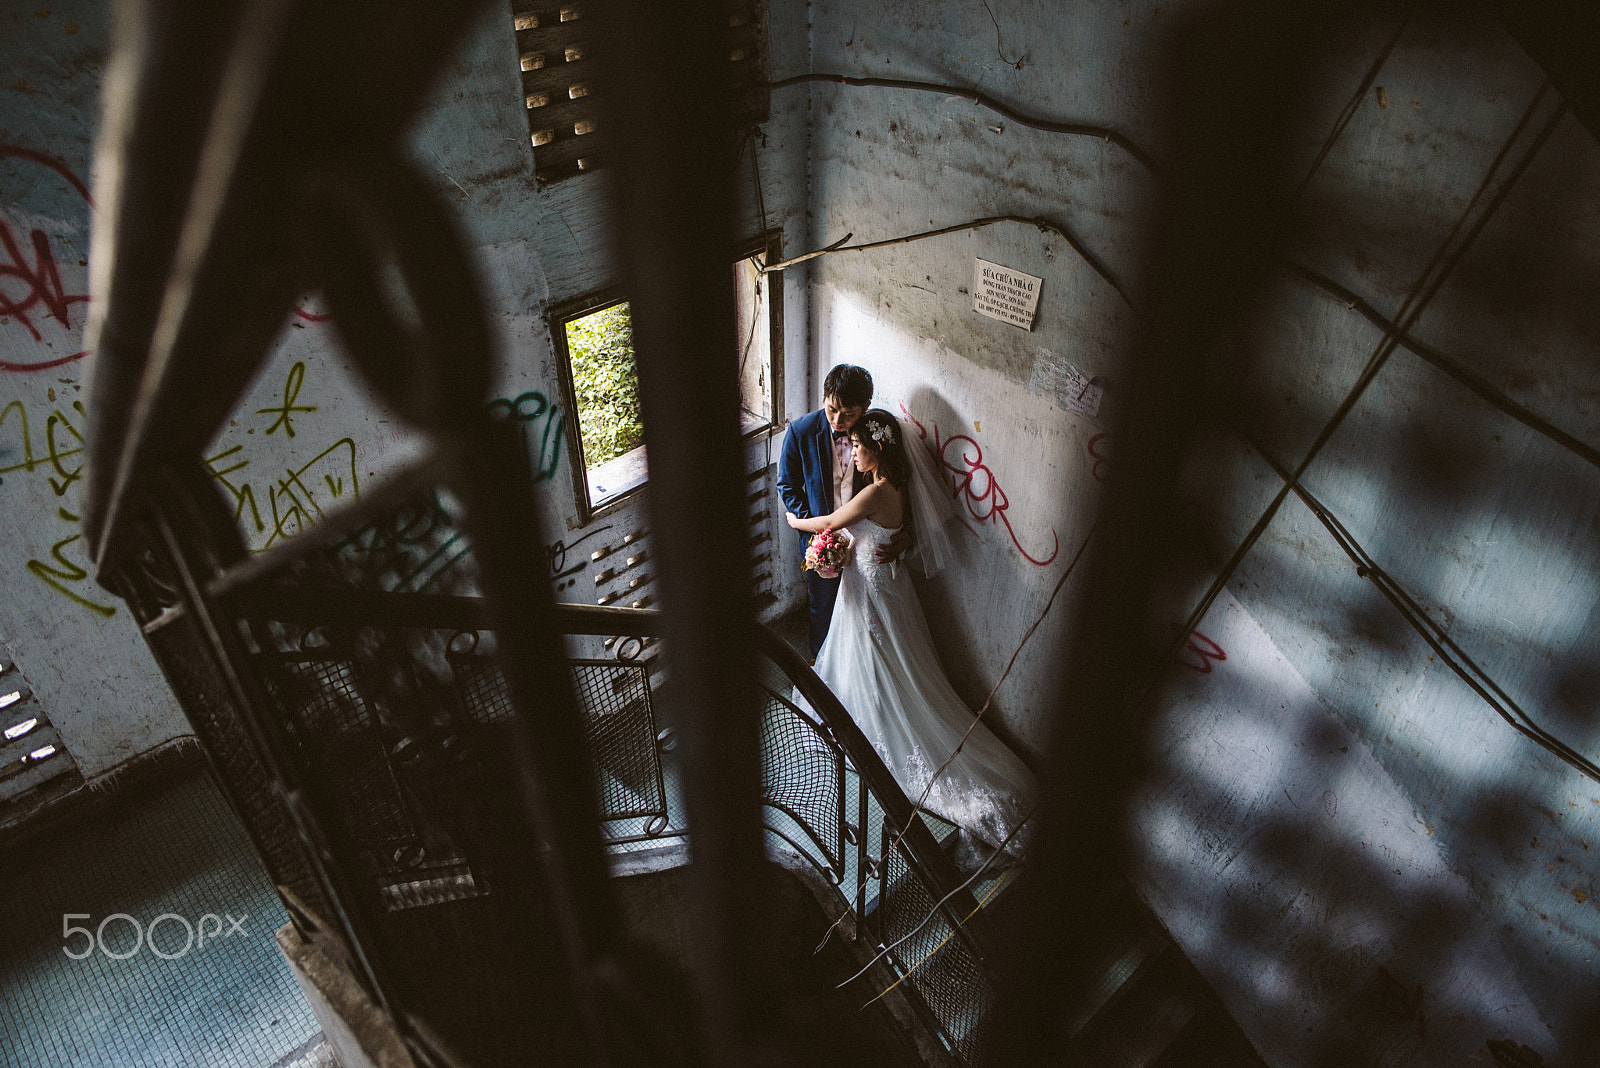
(882, 435)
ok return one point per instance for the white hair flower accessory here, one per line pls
(882, 432)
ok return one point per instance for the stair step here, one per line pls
(1155, 1011)
(1212, 1040)
(1116, 979)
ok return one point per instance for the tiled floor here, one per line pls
(175, 853)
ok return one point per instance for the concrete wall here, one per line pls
(1369, 864)
(1262, 837)
(534, 247)
(82, 654)
(890, 162)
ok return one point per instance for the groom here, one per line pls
(816, 474)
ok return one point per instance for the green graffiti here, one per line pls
(530, 408)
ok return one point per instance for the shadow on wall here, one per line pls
(972, 590)
(1494, 528)
(1311, 891)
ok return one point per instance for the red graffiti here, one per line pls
(1096, 444)
(41, 282)
(1206, 650)
(975, 484)
(18, 152)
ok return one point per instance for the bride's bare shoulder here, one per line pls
(891, 504)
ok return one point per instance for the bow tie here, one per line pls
(841, 435)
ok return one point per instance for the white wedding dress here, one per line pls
(879, 660)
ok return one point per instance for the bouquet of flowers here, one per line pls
(828, 552)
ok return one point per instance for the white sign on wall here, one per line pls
(1004, 294)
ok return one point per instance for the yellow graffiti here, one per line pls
(69, 572)
(274, 507)
(28, 461)
(291, 393)
(58, 447)
(56, 455)
(292, 502)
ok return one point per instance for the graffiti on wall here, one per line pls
(31, 288)
(268, 506)
(1201, 653)
(1099, 451)
(54, 453)
(280, 503)
(542, 425)
(975, 485)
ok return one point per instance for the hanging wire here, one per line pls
(1428, 284)
(1453, 656)
(1451, 366)
(1357, 97)
(1448, 364)
(978, 717)
(1048, 225)
(1103, 133)
(968, 881)
(943, 942)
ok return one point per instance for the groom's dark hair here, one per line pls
(849, 384)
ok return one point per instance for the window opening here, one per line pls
(605, 388)
(754, 338)
(594, 342)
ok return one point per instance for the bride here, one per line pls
(879, 658)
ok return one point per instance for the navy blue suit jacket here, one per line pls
(805, 468)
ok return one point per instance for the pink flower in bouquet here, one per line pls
(827, 553)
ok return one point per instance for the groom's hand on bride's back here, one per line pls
(895, 547)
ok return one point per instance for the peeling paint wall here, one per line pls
(889, 162)
(1367, 862)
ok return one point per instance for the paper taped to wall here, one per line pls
(1064, 385)
(1004, 294)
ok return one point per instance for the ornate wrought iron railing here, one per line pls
(360, 728)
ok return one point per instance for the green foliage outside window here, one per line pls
(606, 384)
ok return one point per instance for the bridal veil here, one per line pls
(934, 515)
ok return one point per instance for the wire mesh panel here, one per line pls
(392, 713)
(342, 743)
(187, 664)
(485, 695)
(338, 737)
(619, 720)
(802, 776)
(940, 965)
(615, 700)
(405, 743)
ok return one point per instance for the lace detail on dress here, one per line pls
(987, 812)
(869, 537)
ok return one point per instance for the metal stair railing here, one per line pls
(357, 730)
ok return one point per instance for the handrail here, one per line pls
(928, 861)
(247, 590)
